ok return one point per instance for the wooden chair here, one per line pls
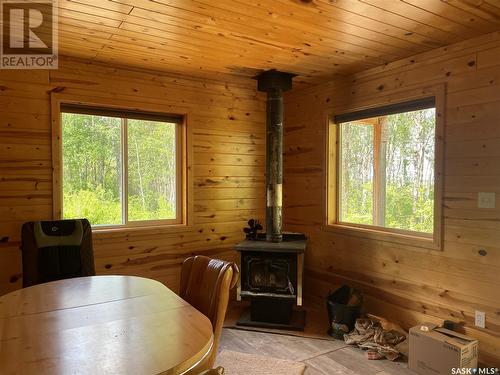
(54, 250)
(205, 284)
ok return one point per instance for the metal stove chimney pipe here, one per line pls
(274, 83)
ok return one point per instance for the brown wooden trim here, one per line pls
(121, 113)
(403, 237)
(124, 168)
(183, 168)
(440, 95)
(378, 232)
(152, 228)
(57, 201)
(332, 167)
(384, 110)
(338, 161)
(186, 170)
(377, 183)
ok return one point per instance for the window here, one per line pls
(121, 168)
(382, 169)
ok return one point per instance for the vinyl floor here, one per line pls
(321, 356)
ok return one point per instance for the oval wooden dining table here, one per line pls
(100, 325)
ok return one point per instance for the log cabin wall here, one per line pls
(226, 121)
(410, 285)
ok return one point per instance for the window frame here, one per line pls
(400, 236)
(182, 167)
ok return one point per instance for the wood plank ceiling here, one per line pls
(316, 39)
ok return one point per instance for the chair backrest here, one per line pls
(54, 250)
(205, 284)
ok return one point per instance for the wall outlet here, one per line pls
(480, 320)
(486, 200)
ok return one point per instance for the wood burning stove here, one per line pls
(271, 277)
(272, 264)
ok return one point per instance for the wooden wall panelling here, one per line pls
(227, 124)
(406, 283)
(25, 163)
(479, 44)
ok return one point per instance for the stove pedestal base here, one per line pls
(297, 321)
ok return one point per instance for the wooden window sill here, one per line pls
(402, 237)
(146, 229)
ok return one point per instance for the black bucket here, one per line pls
(344, 307)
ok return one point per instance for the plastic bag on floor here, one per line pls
(369, 335)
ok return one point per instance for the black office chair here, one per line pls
(54, 250)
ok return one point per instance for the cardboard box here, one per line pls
(436, 351)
